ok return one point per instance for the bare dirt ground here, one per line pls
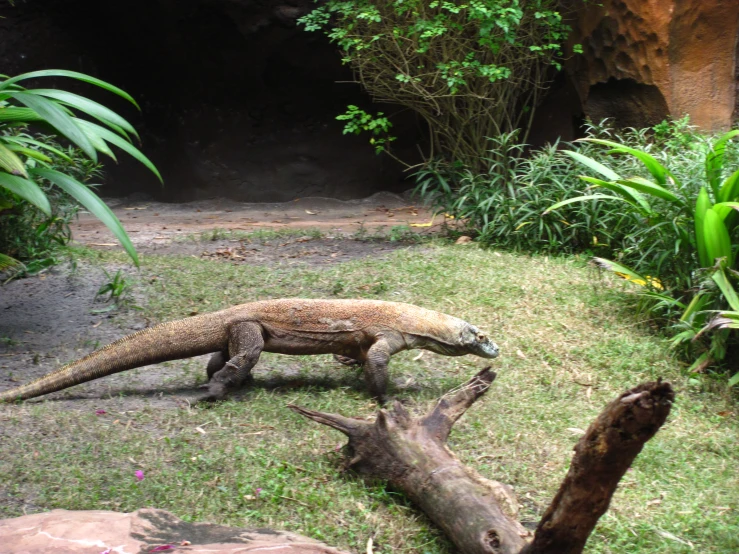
(52, 318)
(150, 223)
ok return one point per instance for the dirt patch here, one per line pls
(314, 251)
(152, 223)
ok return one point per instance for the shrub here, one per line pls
(37, 174)
(683, 249)
(469, 70)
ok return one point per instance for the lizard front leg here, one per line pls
(375, 369)
(245, 345)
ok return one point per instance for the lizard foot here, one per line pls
(346, 360)
(215, 392)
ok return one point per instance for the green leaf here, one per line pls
(99, 144)
(648, 187)
(35, 154)
(25, 141)
(658, 171)
(58, 118)
(90, 107)
(702, 204)
(633, 197)
(724, 208)
(735, 379)
(93, 203)
(581, 199)
(18, 115)
(715, 161)
(6, 262)
(696, 305)
(595, 166)
(702, 359)
(727, 289)
(73, 75)
(120, 143)
(716, 237)
(730, 188)
(626, 273)
(26, 189)
(10, 162)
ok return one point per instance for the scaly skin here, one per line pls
(365, 332)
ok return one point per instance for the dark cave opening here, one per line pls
(626, 103)
(237, 100)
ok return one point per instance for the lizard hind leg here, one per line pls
(216, 363)
(245, 345)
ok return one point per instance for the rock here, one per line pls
(646, 60)
(146, 530)
(464, 239)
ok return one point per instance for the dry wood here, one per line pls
(477, 514)
(601, 458)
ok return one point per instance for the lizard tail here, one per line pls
(173, 340)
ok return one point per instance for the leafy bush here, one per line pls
(683, 249)
(36, 173)
(27, 234)
(469, 70)
(504, 205)
(643, 227)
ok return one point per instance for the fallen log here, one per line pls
(479, 515)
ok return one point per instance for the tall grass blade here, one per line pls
(633, 197)
(648, 187)
(581, 199)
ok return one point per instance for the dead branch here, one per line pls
(602, 456)
(477, 514)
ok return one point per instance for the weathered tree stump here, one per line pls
(479, 515)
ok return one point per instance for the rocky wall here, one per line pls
(644, 60)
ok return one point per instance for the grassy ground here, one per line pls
(569, 346)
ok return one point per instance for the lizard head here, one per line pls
(476, 342)
(466, 339)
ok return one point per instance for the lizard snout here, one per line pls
(488, 349)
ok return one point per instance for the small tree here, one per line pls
(471, 69)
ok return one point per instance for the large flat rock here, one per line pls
(146, 530)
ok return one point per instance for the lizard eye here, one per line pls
(481, 337)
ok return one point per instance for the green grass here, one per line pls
(569, 346)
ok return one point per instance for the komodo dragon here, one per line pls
(364, 332)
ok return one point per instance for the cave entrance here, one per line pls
(626, 103)
(237, 100)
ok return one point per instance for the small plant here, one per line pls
(116, 288)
